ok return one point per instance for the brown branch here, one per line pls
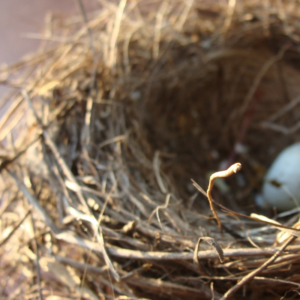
(174, 256)
(250, 276)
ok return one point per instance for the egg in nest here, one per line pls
(281, 188)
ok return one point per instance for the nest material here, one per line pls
(108, 125)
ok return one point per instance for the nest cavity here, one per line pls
(108, 125)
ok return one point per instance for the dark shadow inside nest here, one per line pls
(204, 112)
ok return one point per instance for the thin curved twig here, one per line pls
(164, 206)
(232, 169)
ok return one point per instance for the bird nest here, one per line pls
(106, 126)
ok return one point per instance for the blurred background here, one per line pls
(20, 17)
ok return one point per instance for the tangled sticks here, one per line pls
(232, 169)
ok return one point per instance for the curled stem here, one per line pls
(232, 169)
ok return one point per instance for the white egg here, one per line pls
(281, 187)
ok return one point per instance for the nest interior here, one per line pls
(108, 128)
(203, 113)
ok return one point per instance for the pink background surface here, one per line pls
(18, 17)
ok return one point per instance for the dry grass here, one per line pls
(106, 125)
